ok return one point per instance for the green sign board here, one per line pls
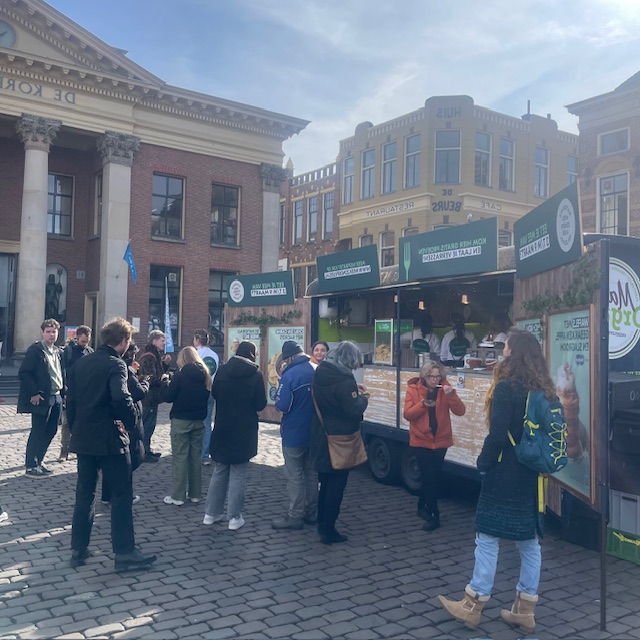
(259, 289)
(454, 251)
(549, 235)
(347, 270)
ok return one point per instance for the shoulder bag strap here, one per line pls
(315, 406)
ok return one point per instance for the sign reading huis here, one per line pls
(549, 235)
(467, 248)
(260, 289)
(346, 270)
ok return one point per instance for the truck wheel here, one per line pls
(410, 471)
(383, 460)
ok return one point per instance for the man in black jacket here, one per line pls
(41, 389)
(100, 413)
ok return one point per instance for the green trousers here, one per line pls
(186, 442)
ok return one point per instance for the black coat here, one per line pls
(188, 393)
(238, 390)
(35, 379)
(507, 506)
(98, 396)
(341, 405)
(138, 390)
(72, 353)
(151, 365)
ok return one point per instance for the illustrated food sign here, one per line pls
(346, 270)
(236, 335)
(467, 248)
(259, 289)
(534, 326)
(624, 308)
(275, 366)
(549, 235)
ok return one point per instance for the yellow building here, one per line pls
(447, 163)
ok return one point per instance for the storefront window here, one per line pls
(165, 281)
(217, 299)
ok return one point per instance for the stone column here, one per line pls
(117, 150)
(37, 133)
(272, 177)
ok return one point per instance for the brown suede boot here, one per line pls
(521, 613)
(468, 609)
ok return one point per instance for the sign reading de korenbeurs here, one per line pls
(467, 248)
(259, 289)
(346, 270)
(549, 235)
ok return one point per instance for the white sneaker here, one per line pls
(211, 519)
(135, 500)
(236, 523)
(170, 500)
(194, 500)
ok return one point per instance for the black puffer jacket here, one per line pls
(336, 393)
(507, 506)
(238, 389)
(188, 393)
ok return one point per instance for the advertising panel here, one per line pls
(236, 335)
(347, 270)
(532, 325)
(277, 336)
(259, 289)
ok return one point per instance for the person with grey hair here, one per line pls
(340, 402)
(427, 406)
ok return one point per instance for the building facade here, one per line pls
(309, 207)
(98, 154)
(447, 163)
(609, 127)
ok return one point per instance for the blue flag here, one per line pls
(128, 258)
(168, 347)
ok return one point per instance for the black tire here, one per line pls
(383, 460)
(410, 471)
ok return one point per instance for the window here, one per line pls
(409, 231)
(505, 238)
(217, 299)
(613, 205)
(368, 169)
(613, 142)
(447, 156)
(483, 159)
(541, 186)
(297, 221)
(387, 248)
(412, 162)
(344, 245)
(327, 200)
(166, 208)
(297, 282)
(389, 159)
(97, 205)
(506, 169)
(366, 240)
(224, 215)
(282, 223)
(59, 204)
(161, 277)
(312, 219)
(312, 274)
(572, 169)
(347, 180)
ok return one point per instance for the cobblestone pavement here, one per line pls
(210, 582)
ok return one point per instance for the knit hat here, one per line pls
(290, 348)
(247, 349)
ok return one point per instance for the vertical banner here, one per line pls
(277, 337)
(168, 348)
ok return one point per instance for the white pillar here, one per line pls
(37, 133)
(272, 177)
(117, 151)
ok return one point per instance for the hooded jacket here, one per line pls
(420, 434)
(151, 365)
(238, 390)
(188, 393)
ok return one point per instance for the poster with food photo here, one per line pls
(277, 336)
(570, 366)
(236, 335)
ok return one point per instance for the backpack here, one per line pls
(543, 446)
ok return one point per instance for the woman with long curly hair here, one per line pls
(507, 506)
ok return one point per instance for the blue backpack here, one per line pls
(543, 446)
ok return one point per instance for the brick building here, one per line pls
(97, 153)
(610, 159)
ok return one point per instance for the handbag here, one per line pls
(345, 452)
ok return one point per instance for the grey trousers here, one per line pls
(226, 479)
(302, 482)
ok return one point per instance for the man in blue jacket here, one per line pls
(294, 400)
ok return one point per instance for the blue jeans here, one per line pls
(484, 570)
(43, 429)
(231, 479)
(206, 437)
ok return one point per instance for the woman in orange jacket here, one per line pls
(427, 404)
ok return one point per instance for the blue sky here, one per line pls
(341, 62)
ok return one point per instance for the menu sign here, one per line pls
(549, 235)
(346, 270)
(534, 326)
(467, 248)
(259, 289)
(275, 366)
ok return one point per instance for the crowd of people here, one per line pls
(110, 400)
